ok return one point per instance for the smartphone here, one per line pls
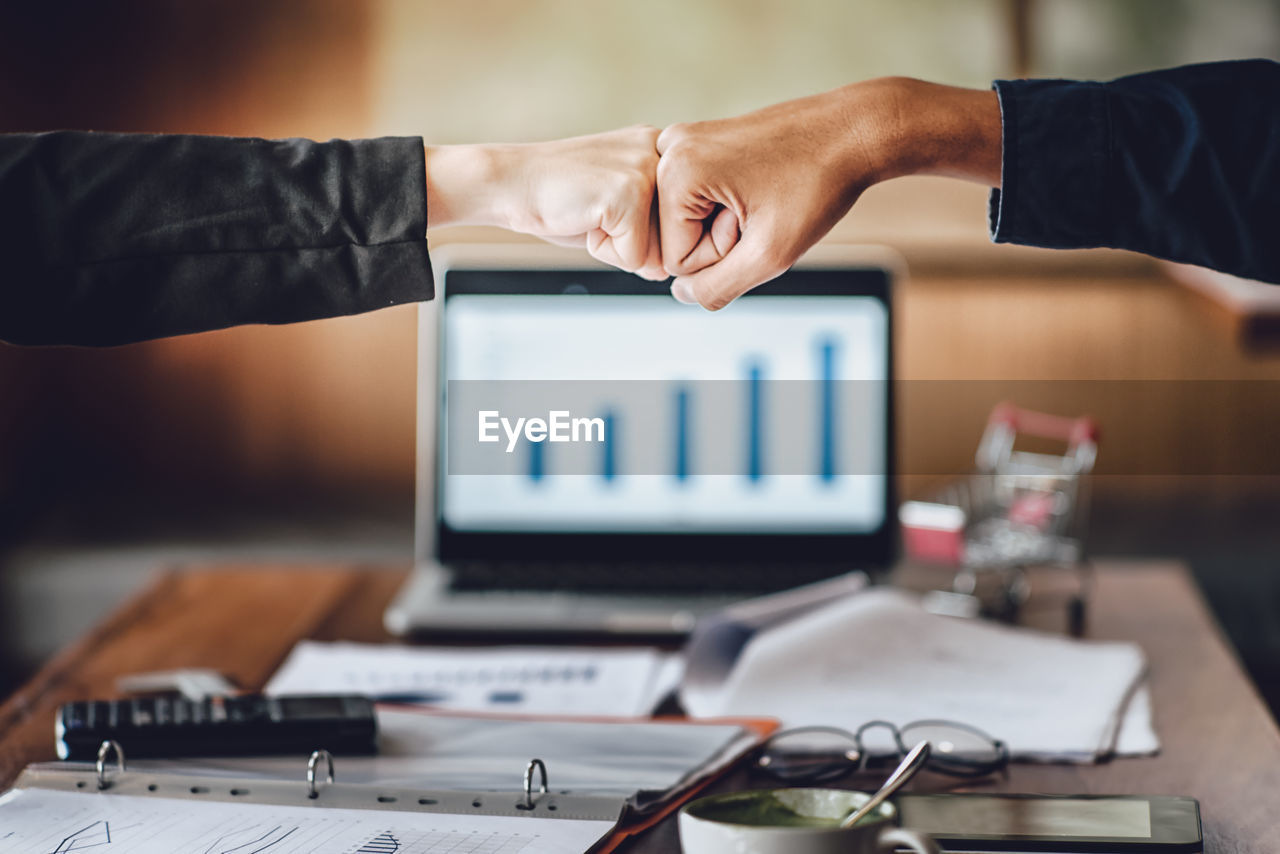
(1065, 824)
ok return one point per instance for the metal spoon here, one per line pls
(907, 768)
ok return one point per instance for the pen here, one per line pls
(425, 697)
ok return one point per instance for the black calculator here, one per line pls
(249, 725)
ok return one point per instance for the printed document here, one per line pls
(879, 655)
(580, 681)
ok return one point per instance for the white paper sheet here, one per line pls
(879, 655)
(1137, 731)
(580, 681)
(37, 820)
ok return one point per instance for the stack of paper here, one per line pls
(878, 655)
(612, 682)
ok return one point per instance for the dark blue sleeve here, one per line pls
(1182, 164)
(113, 238)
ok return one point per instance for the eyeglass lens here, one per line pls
(955, 747)
(809, 754)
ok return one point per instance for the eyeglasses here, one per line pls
(809, 754)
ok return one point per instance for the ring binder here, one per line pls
(154, 812)
(529, 802)
(104, 750)
(202, 801)
(312, 762)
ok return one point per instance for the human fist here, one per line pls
(595, 192)
(741, 199)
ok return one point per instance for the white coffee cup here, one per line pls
(793, 821)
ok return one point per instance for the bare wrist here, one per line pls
(465, 186)
(944, 130)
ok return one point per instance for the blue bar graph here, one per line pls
(682, 433)
(537, 461)
(609, 462)
(755, 439)
(826, 452)
(827, 412)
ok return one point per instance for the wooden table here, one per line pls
(1220, 744)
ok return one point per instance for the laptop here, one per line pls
(597, 459)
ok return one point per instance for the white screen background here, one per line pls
(653, 338)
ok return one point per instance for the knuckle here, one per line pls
(678, 131)
(633, 187)
(675, 164)
(642, 174)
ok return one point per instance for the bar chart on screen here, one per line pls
(770, 413)
(626, 418)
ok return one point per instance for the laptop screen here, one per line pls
(588, 403)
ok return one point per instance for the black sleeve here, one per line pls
(112, 238)
(1182, 164)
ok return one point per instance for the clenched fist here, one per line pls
(741, 199)
(595, 192)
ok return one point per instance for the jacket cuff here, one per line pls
(1055, 136)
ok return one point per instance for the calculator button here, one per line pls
(75, 716)
(162, 711)
(245, 709)
(180, 711)
(143, 712)
(217, 710)
(200, 711)
(97, 714)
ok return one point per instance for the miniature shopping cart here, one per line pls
(1019, 510)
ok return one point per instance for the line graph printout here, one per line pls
(37, 821)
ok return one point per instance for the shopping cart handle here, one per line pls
(1073, 431)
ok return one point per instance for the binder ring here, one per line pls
(528, 781)
(316, 756)
(104, 750)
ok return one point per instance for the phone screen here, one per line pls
(1064, 822)
(980, 816)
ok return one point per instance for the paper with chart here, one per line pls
(579, 681)
(38, 821)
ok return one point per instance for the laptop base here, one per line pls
(428, 604)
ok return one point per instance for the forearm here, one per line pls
(920, 128)
(488, 184)
(463, 185)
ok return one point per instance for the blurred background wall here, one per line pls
(297, 441)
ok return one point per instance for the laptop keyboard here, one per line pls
(648, 577)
